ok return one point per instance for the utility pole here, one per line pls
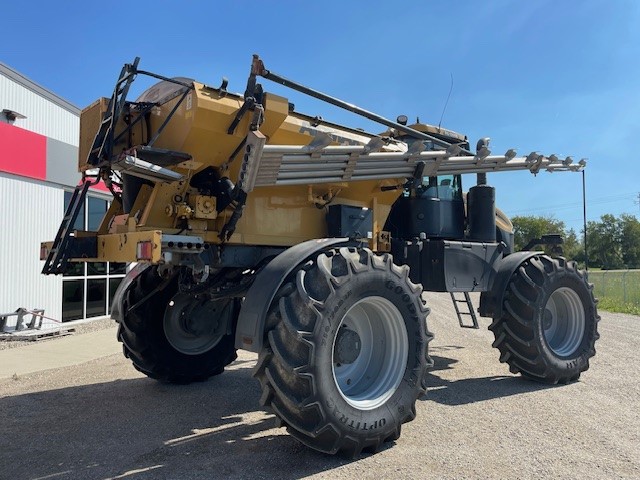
(584, 220)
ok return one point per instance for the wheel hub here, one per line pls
(195, 322)
(194, 326)
(564, 322)
(347, 347)
(370, 352)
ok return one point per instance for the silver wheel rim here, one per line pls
(177, 329)
(564, 321)
(374, 376)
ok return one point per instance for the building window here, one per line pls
(88, 288)
(114, 283)
(72, 300)
(95, 212)
(79, 224)
(96, 297)
(97, 268)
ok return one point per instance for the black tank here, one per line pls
(481, 213)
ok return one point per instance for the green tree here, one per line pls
(613, 242)
(573, 247)
(604, 243)
(630, 240)
(526, 228)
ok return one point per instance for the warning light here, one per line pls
(144, 250)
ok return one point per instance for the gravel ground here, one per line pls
(104, 420)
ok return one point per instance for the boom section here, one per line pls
(318, 162)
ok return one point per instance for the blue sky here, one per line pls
(551, 76)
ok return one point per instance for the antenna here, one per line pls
(447, 102)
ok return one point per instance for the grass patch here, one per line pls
(617, 290)
(612, 305)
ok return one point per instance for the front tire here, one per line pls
(549, 325)
(159, 337)
(345, 353)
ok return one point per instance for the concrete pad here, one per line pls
(61, 352)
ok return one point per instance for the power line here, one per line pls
(575, 205)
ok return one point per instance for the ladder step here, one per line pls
(470, 311)
(58, 257)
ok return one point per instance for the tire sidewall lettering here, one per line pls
(353, 422)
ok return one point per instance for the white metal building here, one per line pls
(38, 172)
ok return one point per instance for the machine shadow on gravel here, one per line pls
(150, 429)
(472, 390)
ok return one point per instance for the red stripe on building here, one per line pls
(22, 152)
(101, 187)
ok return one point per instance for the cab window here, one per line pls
(444, 187)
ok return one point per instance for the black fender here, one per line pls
(491, 300)
(253, 314)
(118, 296)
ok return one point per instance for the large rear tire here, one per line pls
(549, 325)
(172, 337)
(345, 351)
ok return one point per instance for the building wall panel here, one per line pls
(31, 213)
(61, 163)
(43, 116)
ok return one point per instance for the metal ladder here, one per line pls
(101, 150)
(58, 256)
(470, 312)
(103, 142)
